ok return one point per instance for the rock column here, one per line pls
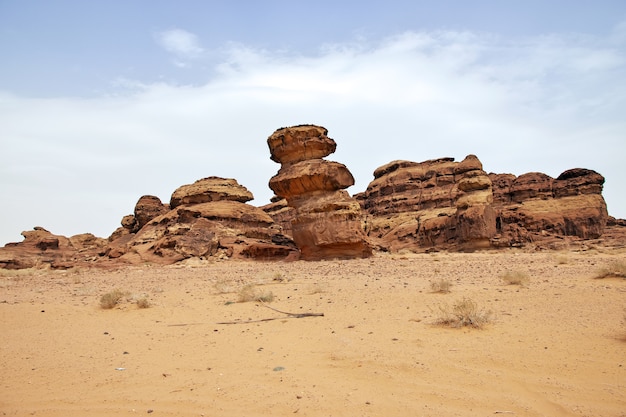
(328, 222)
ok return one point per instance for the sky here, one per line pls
(102, 102)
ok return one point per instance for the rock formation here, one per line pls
(437, 203)
(327, 222)
(204, 219)
(535, 207)
(442, 204)
(41, 249)
(419, 206)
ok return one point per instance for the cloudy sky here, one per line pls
(102, 102)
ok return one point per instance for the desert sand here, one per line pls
(554, 347)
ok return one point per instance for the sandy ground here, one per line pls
(556, 347)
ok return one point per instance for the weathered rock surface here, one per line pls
(224, 229)
(42, 249)
(327, 222)
(441, 204)
(535, 207)
(210, 189)
(433, 204)
(208, 218)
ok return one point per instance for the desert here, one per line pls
(442, 290)
(552, 346)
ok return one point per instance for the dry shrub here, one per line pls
(515, 278)
(615, 269)
(463, 313)
(441, 286)
(143, 303)
(250, 293)
(111, 299)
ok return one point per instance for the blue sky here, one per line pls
(104, 101)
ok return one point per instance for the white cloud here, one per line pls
(537, 104)
(180, 42)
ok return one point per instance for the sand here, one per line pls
(555, 347)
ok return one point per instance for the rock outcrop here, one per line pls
(208, 218)
(327, 222)
(433, 204)
(442, 204)
(42, 249)
(535, 207)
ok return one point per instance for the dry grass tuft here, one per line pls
(515, 278)
(111, 299)
(250, 293)
(463, 313)
(615, 269)
(441, 286)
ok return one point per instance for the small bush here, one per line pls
(143, 303)
(613, 270)
(463, 313)
(111, 299)
(250, 293)
(441, 286)
(515, 278)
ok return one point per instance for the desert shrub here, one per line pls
(515, 278)
(441, 285)
(463, 313)
(613, 270)
(143, 303)
(251, 293)
(111, 299)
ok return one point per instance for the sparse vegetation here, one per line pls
(613, 270)
(515, 278)
(440, 285)
(463, 313)
(111, 299)
(143, 303)
(250, 293)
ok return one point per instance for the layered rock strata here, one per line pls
(433, 204)
(327, 222)
(442, 204)
(209, 218)
(535, 207)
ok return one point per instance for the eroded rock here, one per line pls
(327, 222)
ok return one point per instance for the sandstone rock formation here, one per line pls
(327, 222)
(443, 204)
(437, 203)
(206, 218)
(41, 249)
(535, 207)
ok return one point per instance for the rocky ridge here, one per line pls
(438, 204)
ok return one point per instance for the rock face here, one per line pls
(208, 218)
(438, 203)
(327, 222)
(535, 207)
(442, 204)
